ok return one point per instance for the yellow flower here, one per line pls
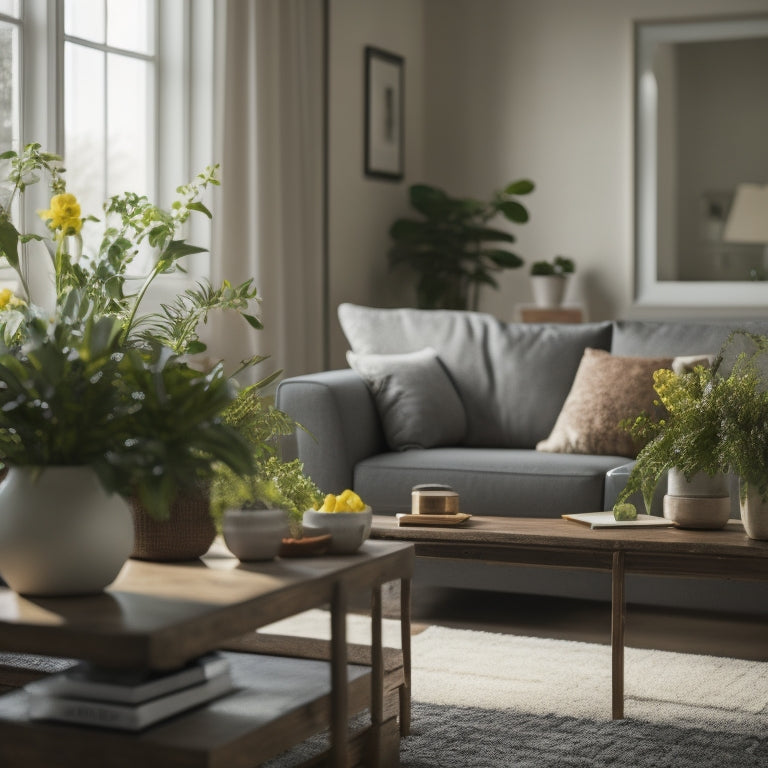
(8, 300)
(63, 215)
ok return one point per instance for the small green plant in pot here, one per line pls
(452, 248)
(686, 436)
(256, 510)
(548, 280)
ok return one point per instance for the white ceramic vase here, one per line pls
(548, 290)
(61, 533)
(254, 534)
(754, 513)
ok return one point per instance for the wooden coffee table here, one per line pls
(159, 615)
(561, 543)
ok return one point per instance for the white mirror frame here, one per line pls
(649, 290)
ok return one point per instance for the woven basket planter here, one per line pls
(186, 534)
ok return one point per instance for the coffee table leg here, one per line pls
(617, 635)
(339, 704)
(377, 678)
(405, 641)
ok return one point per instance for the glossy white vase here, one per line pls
(254, 534)
(754, 513)
(61, 533)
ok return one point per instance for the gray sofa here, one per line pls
(465, 399)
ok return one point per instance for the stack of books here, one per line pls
(127, 700)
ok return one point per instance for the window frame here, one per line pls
(184, 108)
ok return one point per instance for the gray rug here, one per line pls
(465, 737)
(483, 700)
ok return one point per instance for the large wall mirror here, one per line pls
(701, 162)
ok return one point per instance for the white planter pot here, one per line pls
(703, 502)
(700, 485)
(254, 534)
(754, 514)
(698, 512)
(61, 533)
(548, 290)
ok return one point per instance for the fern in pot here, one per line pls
(716, 422)
(744, 424)
(256, 511)
(684, 441)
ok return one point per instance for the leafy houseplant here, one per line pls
(560, 265)
(94, 380)
(716, 421)
(272, 482)
(452, 248)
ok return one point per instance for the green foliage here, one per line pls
(560, 265)
(147, 422)
(272, 482)
(94, 381)
(131, 220)
(451, 248)
(716, 420)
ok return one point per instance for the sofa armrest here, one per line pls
(616, 479)
(341, 421)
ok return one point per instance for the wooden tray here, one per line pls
(405, 519)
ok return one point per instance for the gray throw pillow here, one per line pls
(417, 402)
(512, 378)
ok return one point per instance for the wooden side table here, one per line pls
(160, 615)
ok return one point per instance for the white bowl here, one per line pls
(254, 534)
(348, 529)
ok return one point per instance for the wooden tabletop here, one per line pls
(728, 551)
(159, 615)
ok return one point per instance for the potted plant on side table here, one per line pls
(716, 422)
(548, 281)
(256, 511)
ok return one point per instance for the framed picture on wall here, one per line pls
(384, 85)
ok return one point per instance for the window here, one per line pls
(109, 78)
(10, 74)
(85, 78)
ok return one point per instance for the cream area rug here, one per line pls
(488, 671)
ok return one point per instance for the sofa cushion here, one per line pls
(490, 481)
(417, 402)
(607, 389)
(512, 378)
(646, 338)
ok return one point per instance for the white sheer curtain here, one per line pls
(268, 222)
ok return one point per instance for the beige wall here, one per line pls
(498, 90)
(544, 89)
(361, 209)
